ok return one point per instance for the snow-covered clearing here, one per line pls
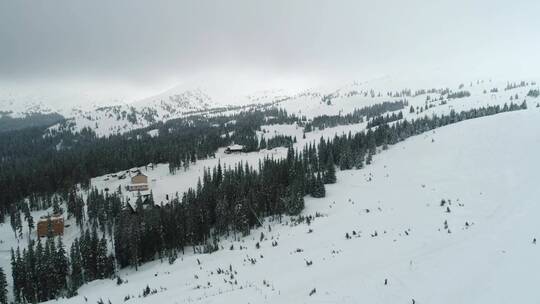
(485, 169)
(164, 184)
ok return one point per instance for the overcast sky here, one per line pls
(145, 46)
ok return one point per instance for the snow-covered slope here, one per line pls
(120, 117)
(477, 248)
(345, 99)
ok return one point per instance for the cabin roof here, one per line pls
(235, 147)
(52, 218)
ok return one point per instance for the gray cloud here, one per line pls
(151, 41)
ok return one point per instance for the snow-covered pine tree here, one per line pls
(102, 259)
(76, 277)
(321, 191)
(3, 287)
(330, 171)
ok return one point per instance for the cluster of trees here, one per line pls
(277, 141)
(459, 94)
(533, 93)
(402, 93)
(89, 260)
(357, 116)
(379, 120)
(40, 271)
(8, 123)
(515, 85)
(103, 209)
(3, 287)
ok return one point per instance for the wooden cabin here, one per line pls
(139, 182)
(139, 178)
(56, 223)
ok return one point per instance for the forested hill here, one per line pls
(35, 164)
(31, 120)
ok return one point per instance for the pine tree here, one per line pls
(56, 206)
(15, 220)
(262, 145)
(14, 275)
(222, 217)
(294, 201)
(3, 287)
(76, 268)
(102, 259)
(345, 160)
(330, 174)
(369, 158)
(241, 217)
(359, 162)
(28, 217)
(318, 188)
(61, 265)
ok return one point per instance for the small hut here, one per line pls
(139, 182)
(234, 149)
(55, 222)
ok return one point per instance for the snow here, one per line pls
(153, 133)
(487, 169)
(235, 147)
(181, 101)
(163, 184)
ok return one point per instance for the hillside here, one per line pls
(331, 100)
(420, 202)
(115, 117)
(484, 170)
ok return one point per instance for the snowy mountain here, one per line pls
(454, 202)
(114, 117)
(434, 219)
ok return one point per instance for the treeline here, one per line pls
(533, 93)
(515, 85)
(379, 120)
(357, 116)
(277, 141)
(459, 94)
(8, 123)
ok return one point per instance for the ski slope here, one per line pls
(485, 169)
